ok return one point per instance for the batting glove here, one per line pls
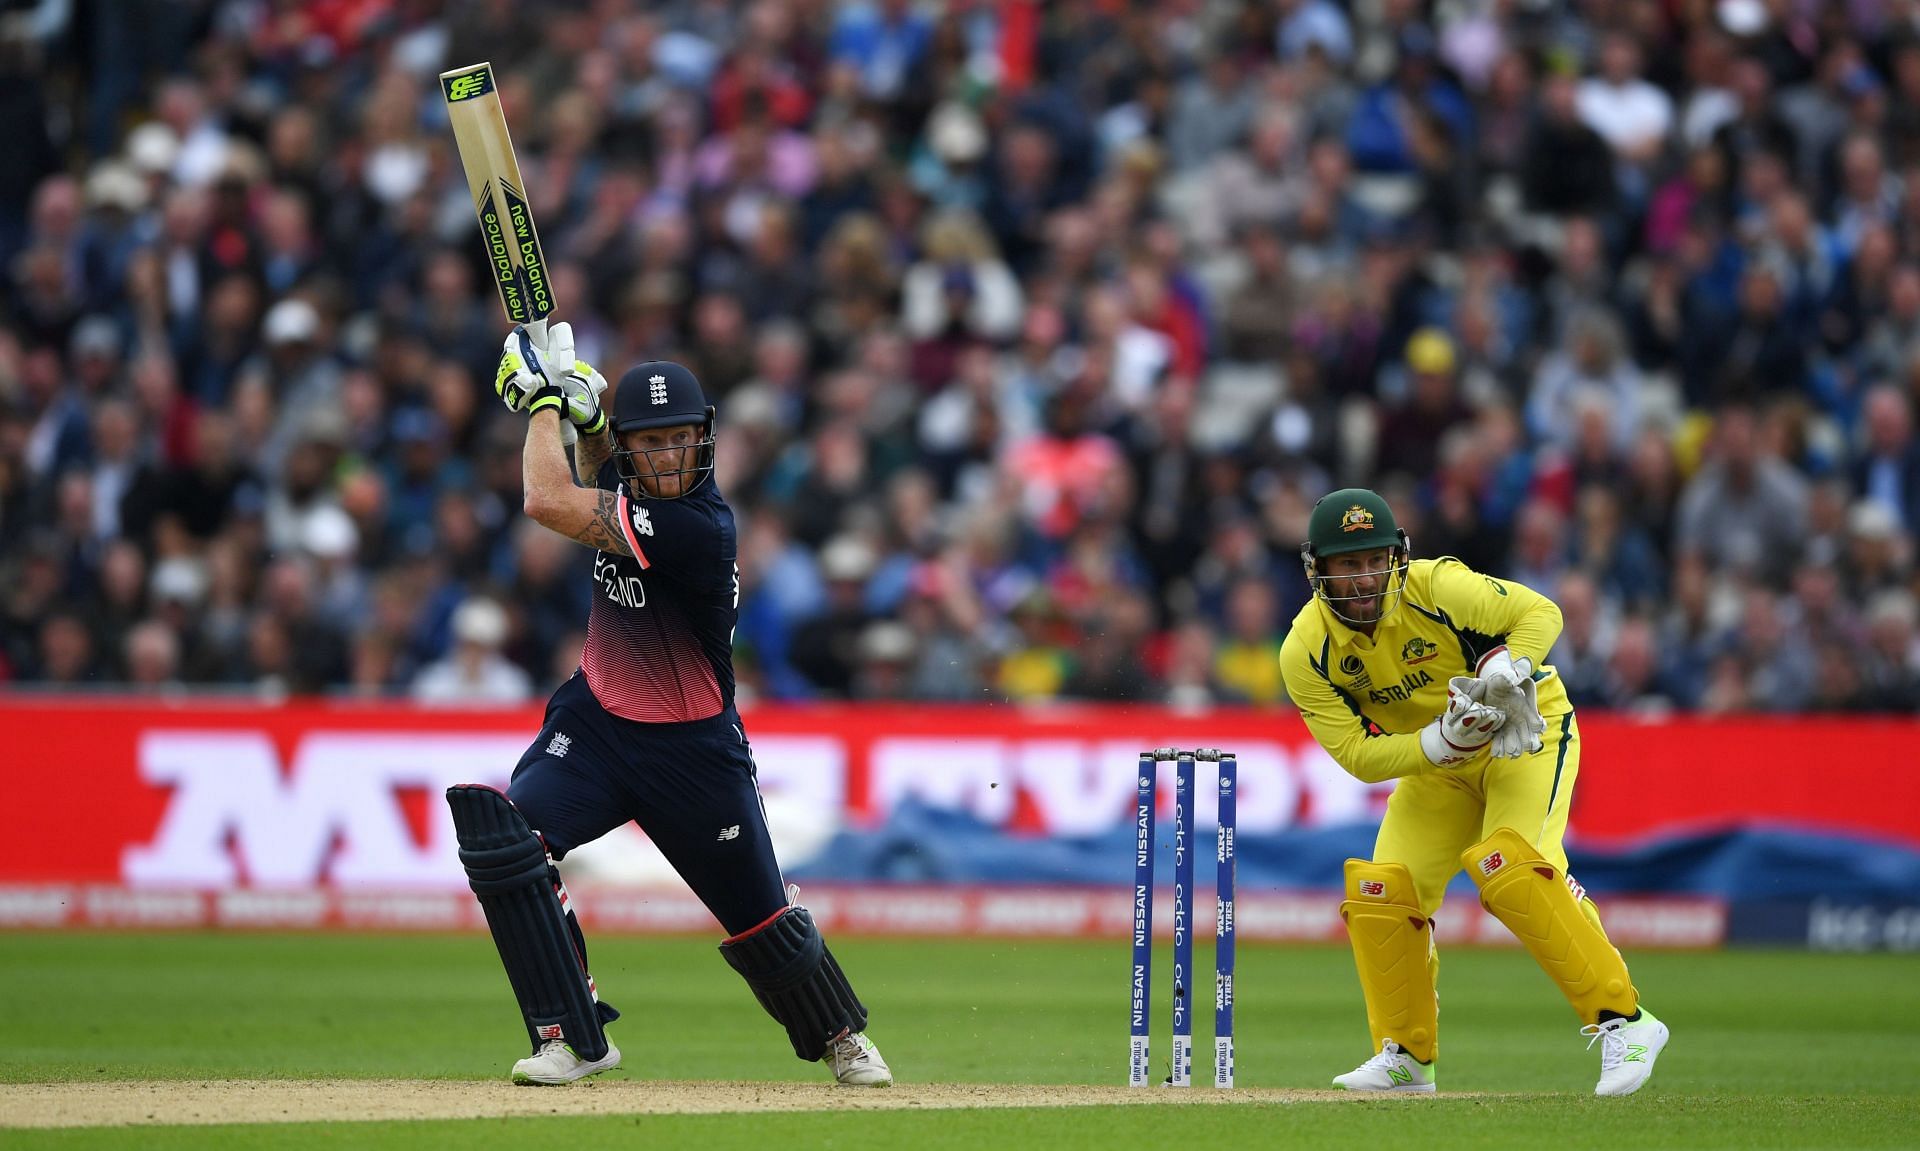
(522, 372)
(1510, 688)
(1465, 728)
(579, 380)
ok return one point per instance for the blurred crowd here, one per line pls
(1035, 330)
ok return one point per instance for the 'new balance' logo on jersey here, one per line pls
(642, 522)
(559, 745)
(727, 833)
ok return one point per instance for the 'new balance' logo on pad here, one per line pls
(1373, 887)
(1492, 863)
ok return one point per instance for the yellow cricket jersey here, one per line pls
(1366, 698)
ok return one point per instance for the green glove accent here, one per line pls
(549, 396)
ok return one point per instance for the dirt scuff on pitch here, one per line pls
(339, 1100)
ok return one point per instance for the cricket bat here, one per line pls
(499, 197)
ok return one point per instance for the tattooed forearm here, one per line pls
(602, 529)
(589, 453)
(588, 515)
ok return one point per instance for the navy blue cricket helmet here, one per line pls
(662, 394)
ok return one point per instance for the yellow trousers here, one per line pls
(1432, 818)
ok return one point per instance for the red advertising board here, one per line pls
(220, 796)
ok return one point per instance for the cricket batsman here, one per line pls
(1428, 672)
(646, 729)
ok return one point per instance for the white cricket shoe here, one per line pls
(1627, 1051)
(856, 1062)
(1391, 1070)
(555, 1064)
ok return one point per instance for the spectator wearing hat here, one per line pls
(960, 284)
(886, 654)
(1878, 555)
(475, 672)
(1893, 643)
(947, 166)
(1745, 509)
(331, 541)
(826, 649)
(113, 233)
(1410, 432)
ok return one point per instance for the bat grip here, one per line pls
(537, 331)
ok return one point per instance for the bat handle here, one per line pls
(537, 330)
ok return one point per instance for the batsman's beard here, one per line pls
(1371, 608)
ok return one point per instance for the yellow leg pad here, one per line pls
(1532, 897)
(1393, 948)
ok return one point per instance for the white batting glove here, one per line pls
(1510, 688)
(1465, 728)
(581, 382)
(521, 372)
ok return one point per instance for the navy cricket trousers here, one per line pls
(690, 787)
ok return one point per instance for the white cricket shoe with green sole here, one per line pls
(556, 1064)
(1391, 1070)
(856, 1062)
(1627, 1051)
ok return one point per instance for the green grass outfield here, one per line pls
(1770, 1049)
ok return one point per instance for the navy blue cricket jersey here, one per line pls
(660, 636)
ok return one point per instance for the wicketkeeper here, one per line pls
(646, 730)
(1430, 673)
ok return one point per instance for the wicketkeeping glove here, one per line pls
(579, 380)
(1465, 728)
(521, 381)
(1510, 688)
